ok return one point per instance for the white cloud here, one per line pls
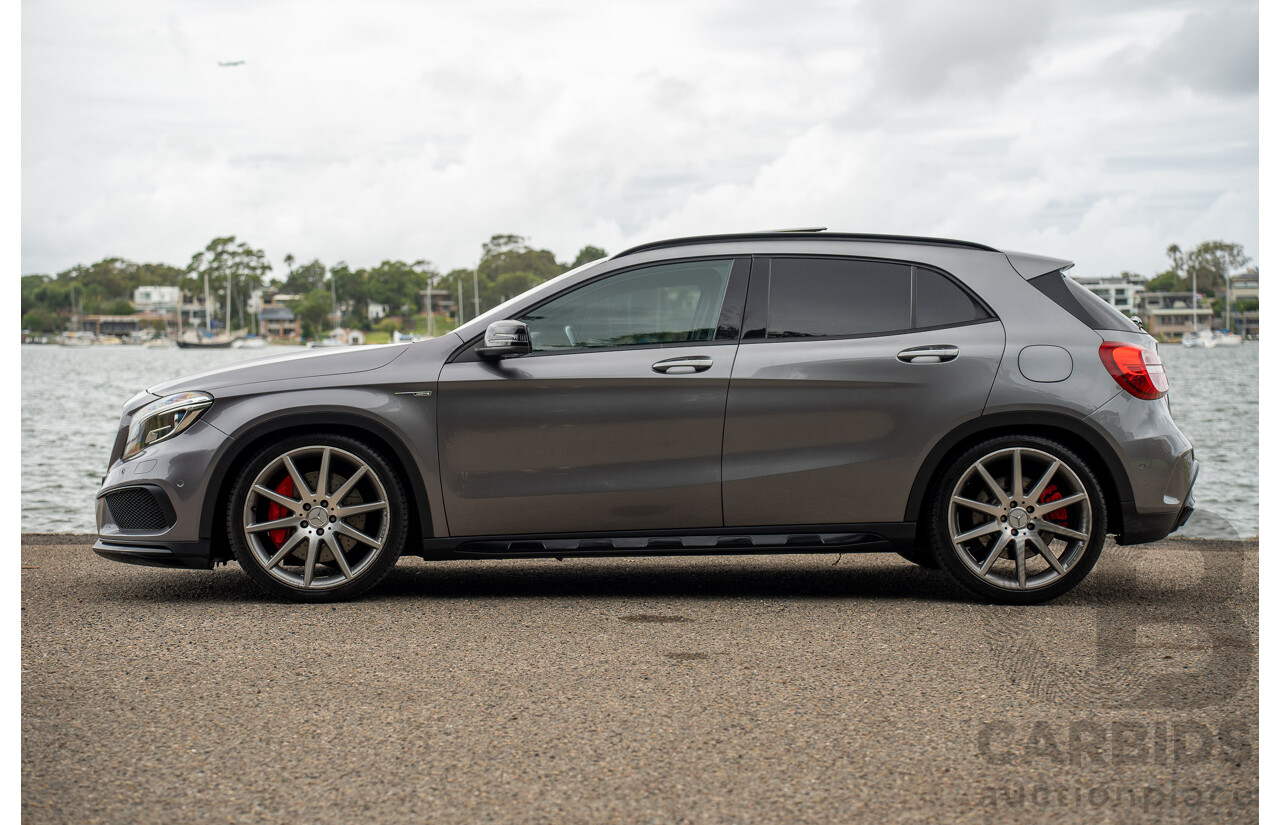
(364, 131)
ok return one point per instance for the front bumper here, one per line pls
(175, 475)
(192, 555)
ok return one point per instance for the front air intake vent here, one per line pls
(138, 508)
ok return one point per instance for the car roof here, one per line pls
(802, 234)
(1026, 265)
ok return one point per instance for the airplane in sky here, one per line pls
(231, 63)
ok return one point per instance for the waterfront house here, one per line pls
(1168, 315)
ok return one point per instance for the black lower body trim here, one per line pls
(850, 538)
(185, 554)
(1139, 528)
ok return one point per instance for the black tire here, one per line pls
(368, 564)
(1085, 552)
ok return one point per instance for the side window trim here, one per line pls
(755, 318)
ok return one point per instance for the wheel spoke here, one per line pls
(1044, 524)
(977, 532)
(335, 547)
(322, 482)
(278, 524)
(312, 555)
(357, 509)
(1065, 501)
(313, 552)
(989, 520)
(284, 501)
(293, 541)
(342, 491)
(1043, 550)
(347, 530)
(1038, 490)
(991, 482)
(301, 486)
(996, 550)
(990, 509)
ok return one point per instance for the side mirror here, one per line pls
(505, 339)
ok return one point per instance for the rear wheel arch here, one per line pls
(247, 444)
(1071, 432)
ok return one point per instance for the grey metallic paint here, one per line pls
(833, 431)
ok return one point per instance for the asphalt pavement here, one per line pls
(789, 689)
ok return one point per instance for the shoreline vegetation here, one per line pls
(413, 297)
(390, 297)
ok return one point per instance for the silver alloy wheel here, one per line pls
(1020, 518)
(336, 495)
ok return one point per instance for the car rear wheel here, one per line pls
(1018, 519)
(317, 518)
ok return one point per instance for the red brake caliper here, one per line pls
(1051, 494)
(276, 511)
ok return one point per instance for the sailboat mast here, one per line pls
(1195, 304)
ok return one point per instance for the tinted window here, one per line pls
(670, 303)
(941, 302)
(820, 296)
(1106, 316)
(1080, 302)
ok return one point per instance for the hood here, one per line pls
(304, 364)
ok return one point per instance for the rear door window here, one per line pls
(826, 297)
(846, 297)
(941, 302)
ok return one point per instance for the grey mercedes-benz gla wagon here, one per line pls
(971, 409)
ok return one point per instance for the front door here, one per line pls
(614, 422)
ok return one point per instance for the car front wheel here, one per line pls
(317, 518)
(1018, 519)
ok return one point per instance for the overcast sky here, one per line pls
(1096, 130)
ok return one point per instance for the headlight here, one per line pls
(163, 419)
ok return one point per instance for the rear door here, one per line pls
(614, 422)
(849, 372)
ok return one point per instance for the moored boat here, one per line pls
(76, 339)
(1200, 339)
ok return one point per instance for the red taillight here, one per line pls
(1137, 369)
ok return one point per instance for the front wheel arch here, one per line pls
(246, 445)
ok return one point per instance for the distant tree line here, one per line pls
(1209, 266)
(508, 266)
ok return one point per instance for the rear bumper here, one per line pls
(193, 555)
(1139, 528)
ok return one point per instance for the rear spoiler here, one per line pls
(1032, 266)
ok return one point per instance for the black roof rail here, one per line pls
(795, 234)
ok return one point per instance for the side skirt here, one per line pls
(825, 538)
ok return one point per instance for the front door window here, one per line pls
(668, 304)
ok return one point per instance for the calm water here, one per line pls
(71, 399)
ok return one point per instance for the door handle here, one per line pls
(933, 354)
(683, 365)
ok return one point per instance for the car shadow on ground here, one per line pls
(878, 577)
